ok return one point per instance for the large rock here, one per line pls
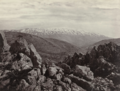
(58, 76)
(22, 86)
(22, 63)
(43, 69)
(65, 67)
(115, 77)
(104, 68)
(18, 69)
(3, 43)
(101, 84)
(20, 46)
(65, 86)
(3, 84)
(58, 88)
(36, 58)
(4, 47)
(48, 85)
(83, 72)
(35, 72)
(67, 80)
(41, 79)
(75, 87)
(110, 51)
(52, 71)
(81, 82)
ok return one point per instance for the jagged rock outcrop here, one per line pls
(20, 46)
(103, 61)
(83, 72)
(36, 58)
(110, 51)
(65, 86)
(67, 80)
(103, 68)
(48, 85)
(101, 84)
(81, 82)
(52, 71)
(43, 69)
(4, 47)
(22, 63)
(75, 87)
(65, 67)
(3, 43)
(115, 77)
(58, 88)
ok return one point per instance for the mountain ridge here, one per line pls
(72, 36)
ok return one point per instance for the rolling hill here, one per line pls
(72, 36)
(48, 48)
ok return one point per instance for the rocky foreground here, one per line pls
(22, 69)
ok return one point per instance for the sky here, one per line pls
(96, 16)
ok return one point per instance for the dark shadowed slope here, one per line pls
(116, 41)
(52, 49)
(84, 49)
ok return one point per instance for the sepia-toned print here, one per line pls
(59, 45)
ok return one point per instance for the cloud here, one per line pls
(98, 16)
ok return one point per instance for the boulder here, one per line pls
(48, 85)
(4, 47)
(22, 86)
(81, 82)
(75, 87)
(3, 43)
(67, 80)
(58, 76)
(58, 88)
(65, 86)
(35, 72)
(115, 77)
(8, 58)
(35, 57)
(117, 88)
(101, 84)
(31, 80)
(22, 63)
(3, 84)
(43, 69)
(83, 72)
(52, 71)
(37, 88)
(104, 68)
(20, 46)
(41, 79)
(65, 67)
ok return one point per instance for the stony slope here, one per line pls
(22, 69)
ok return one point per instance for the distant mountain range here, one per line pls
(72, 36)
(54, 48)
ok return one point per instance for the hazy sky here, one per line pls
(98, 16)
